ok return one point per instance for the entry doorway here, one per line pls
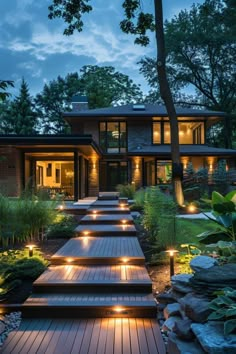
(112, 174)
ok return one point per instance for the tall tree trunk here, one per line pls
(167, 98)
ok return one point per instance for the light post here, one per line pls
(31, 250)
(171, 253)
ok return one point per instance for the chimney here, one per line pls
(79, 103)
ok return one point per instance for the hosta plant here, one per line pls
(224, 309)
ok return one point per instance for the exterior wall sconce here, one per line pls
(171, 253)
(137, 166)
(31, 250)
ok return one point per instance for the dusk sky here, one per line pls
(33, 47)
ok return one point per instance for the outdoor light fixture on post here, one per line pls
(172, 262)
(31, 250)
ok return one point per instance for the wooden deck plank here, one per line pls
(93, 246)
(100, 336)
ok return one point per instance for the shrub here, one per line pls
(126, 190)
(63, 227)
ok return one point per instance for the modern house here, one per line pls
(108, 146)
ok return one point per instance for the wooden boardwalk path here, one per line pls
(86, 336)
(96, 297)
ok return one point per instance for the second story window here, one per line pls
(190, 132)
(113, 137)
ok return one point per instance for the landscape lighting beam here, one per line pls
(31, 250)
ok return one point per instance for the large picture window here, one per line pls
(190, 132)
(113, 137)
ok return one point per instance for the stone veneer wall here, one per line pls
(10, 171)
(93, 177)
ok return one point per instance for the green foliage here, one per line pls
(23, 219)
(139, 199)
(103, 86)
(126, 190)
(159, 217)
(16, 266)
(224, 309)
(63, 227)
(4, 85)
(19, 116)
(224, 211)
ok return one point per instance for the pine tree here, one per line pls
(22, 119)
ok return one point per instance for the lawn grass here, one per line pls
(188, 229)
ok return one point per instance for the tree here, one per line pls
(4, 85)
(137, 23)
(105, 86)
(201, 52)
(19, 116)
(102, 85)
(53, 101)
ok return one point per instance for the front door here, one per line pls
(112, 174)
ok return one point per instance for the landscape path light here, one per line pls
(171, 253)
(31, 249)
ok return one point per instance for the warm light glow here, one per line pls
(30, 247)
(125, 260)
(94, 211)
(61, 207)
(192, 208)
(69, 260)
(171, 252)
(137, 166)
(85, 240)
(118, 309)
(124, 221)
(86, 233)
(181, 133)
(122, 205)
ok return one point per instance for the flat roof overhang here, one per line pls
(83, 143)
(164, 151)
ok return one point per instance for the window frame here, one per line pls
(121, 149)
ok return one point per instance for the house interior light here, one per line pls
(31, 249)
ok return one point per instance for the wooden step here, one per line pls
(111, 278)
(89, 305)
(93, 218)
(86, 336)
(109, 210)
(106, 230)
(100, 250)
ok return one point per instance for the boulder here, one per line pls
(181, 282)
(169, 324)
(195, 307)
(209, 280)
(202, 262)
(183, 329)
(178, 346)
(211, 337)
(172, 310)
(165, 298)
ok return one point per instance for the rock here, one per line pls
(209, 280)
(212, 339)
(181, 282)
(183, 329)
(172, 310)
(165, 298)
(2, 327)
(195, 307)
(178, 346)
(202, 262)
(169, 324)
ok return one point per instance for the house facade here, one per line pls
(107, 147)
